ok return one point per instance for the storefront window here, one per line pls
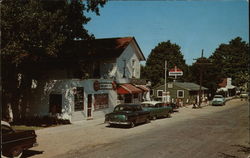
(128, 98)
(101, 101)
(55, 103)
(79, 99)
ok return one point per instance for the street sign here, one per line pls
(175, 72)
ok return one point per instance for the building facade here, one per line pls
(106, 81)
(185, 92)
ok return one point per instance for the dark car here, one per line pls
(15, 142)
(127, 114)
(156, 109)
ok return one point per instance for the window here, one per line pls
(180, 93)
(101, 101)
(55, 103)
(133, 68)
(79, 99)
(170, 85)
(159, 93)
(128, 98)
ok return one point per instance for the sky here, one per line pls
(193, 25)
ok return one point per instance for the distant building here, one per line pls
(110, 65)
(182, 91)
(226, 87)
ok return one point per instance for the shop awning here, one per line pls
(142, 87)
(128, 89)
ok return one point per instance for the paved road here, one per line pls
(197, 133)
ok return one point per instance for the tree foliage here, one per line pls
(228, 61)
(232, 60)
(34, 31)
(155, 65)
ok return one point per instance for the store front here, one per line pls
(128, 93)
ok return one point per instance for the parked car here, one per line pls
(127, 114)
(156, 109)
(15, 142)
(243, 94)
(218, 100)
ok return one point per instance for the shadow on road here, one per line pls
(29, 153)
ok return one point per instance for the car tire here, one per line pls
(154, 118)
(17, 152)
(147, 120)
(168, 115)
(132, 124)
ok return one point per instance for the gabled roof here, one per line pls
(187, 85)
(107, 48)
(190, 86)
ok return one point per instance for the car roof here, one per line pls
(151, 102)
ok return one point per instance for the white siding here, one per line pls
(128, 56)
(66, 87)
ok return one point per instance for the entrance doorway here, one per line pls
(89, 111)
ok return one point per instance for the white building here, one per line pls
(108, 72)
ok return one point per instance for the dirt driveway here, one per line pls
(62, 140)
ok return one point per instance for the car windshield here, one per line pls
(124, 108)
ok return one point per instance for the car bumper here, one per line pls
(118, 123)
(218, 103)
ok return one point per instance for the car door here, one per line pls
(142, 115)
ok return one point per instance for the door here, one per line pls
(89, 111)
(141, 114)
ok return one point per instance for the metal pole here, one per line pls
(165, 76)
(201, 71)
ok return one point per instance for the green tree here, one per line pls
(232, 60)
(155, 65)
(34, 31)
(210, 76)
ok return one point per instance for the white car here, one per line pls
(218, 100)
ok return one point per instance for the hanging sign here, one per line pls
(175, 72)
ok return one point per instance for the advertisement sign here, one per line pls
(175, 72)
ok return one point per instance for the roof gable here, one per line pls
(107, 48)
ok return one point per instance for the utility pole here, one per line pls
(166, 76)
(201, 62)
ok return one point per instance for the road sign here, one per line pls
(175, 72)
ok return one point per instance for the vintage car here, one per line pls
(15, 142)
(243, 94)
(218, 100)
(127, 114)
(156, 109)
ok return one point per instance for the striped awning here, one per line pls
(128, 89)
(142, 87)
